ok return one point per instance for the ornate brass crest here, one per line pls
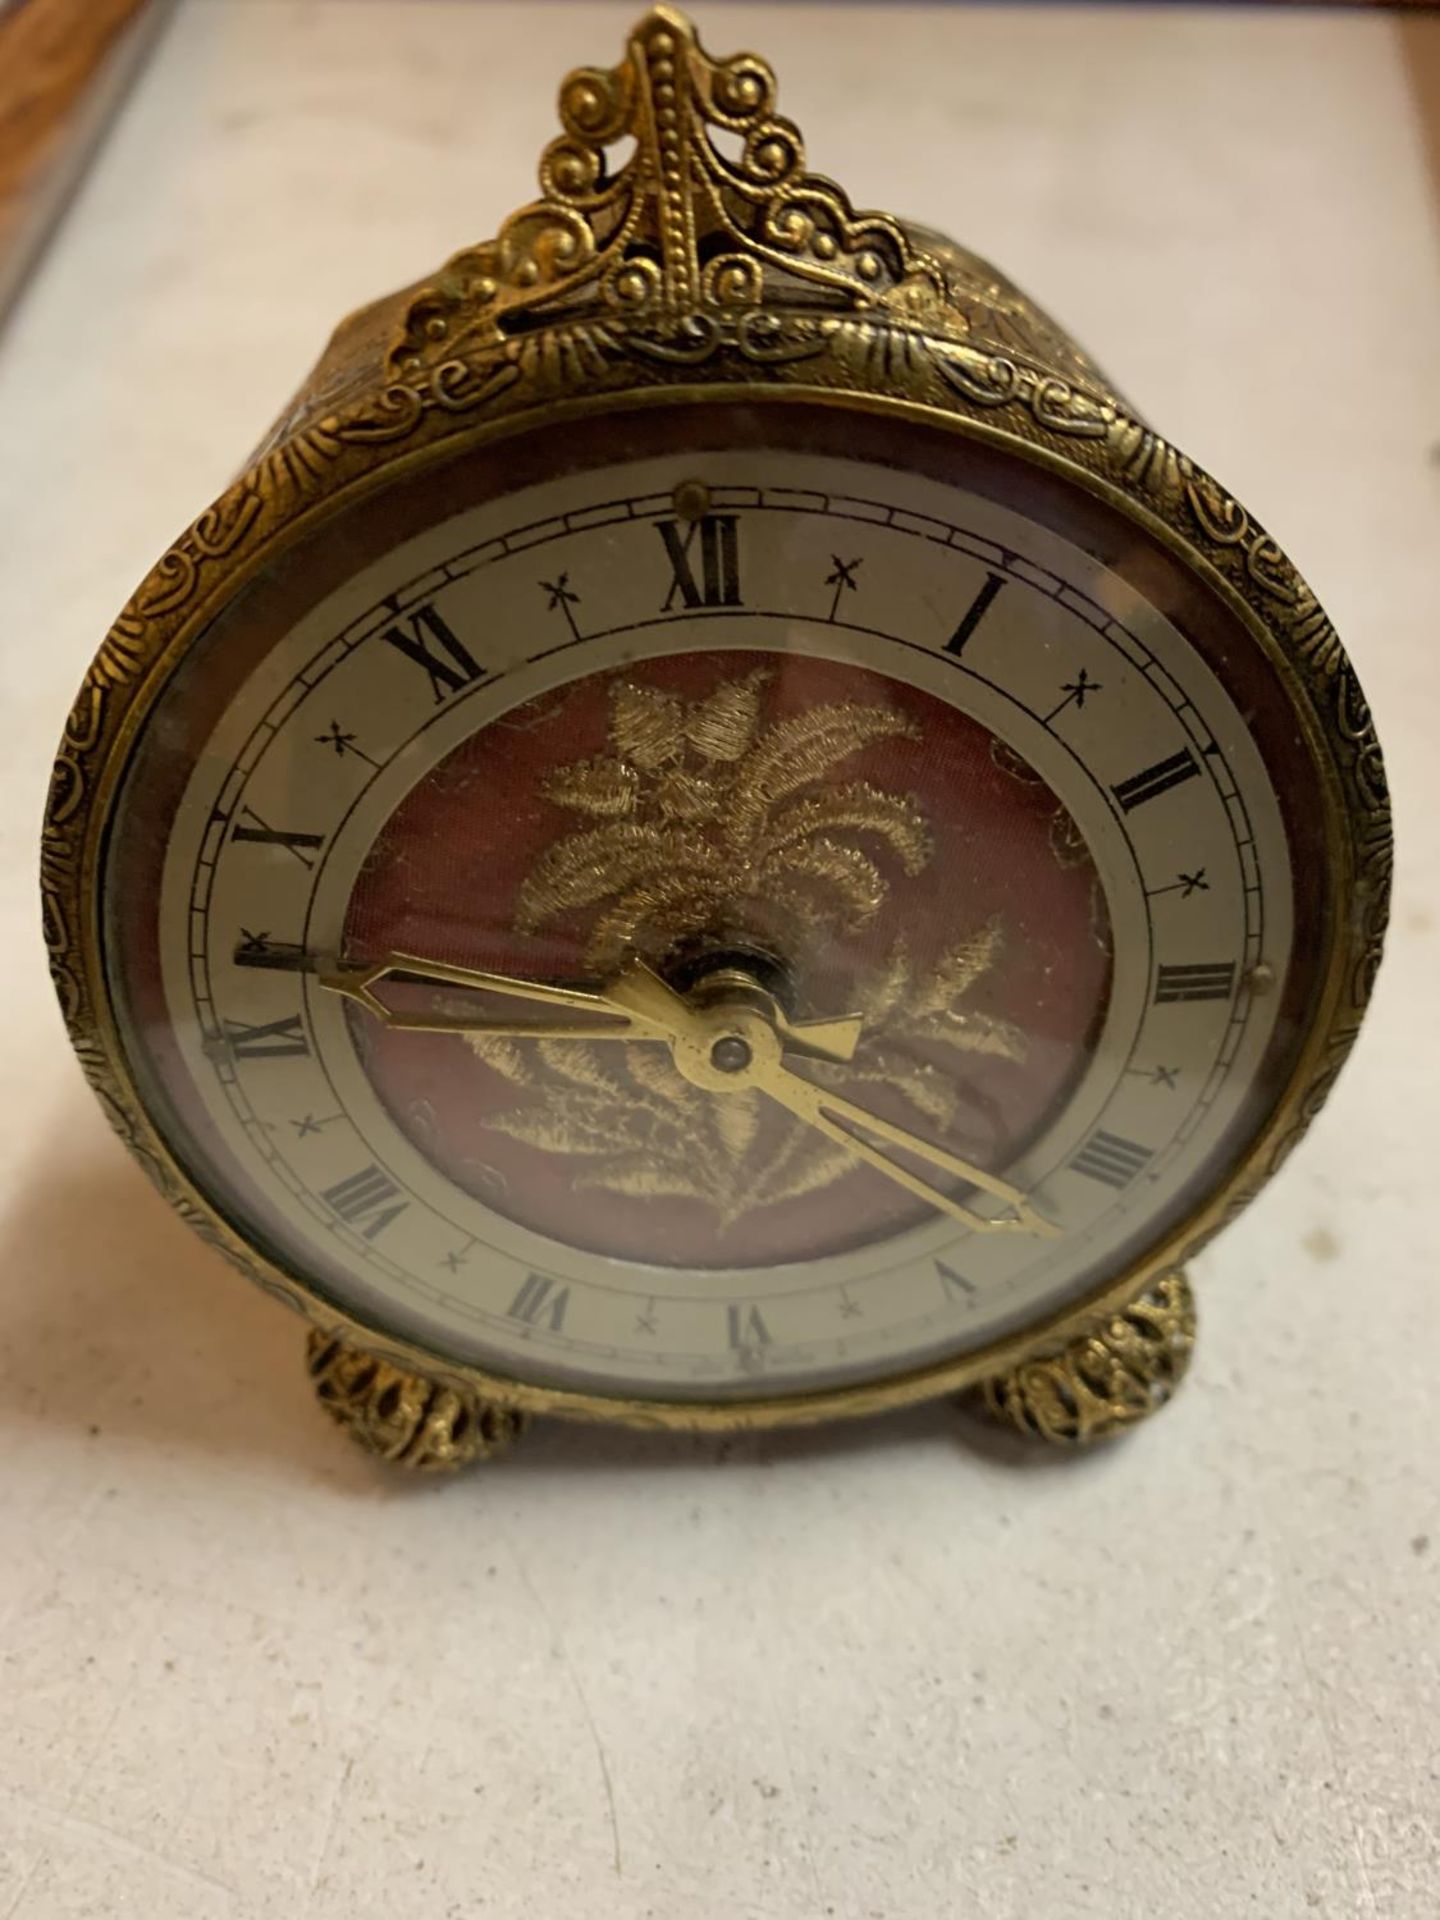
(711, 238)
(682, 228)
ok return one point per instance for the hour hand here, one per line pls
(600, 1020)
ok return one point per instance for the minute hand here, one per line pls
(829, 1114)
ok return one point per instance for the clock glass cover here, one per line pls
(716, 904)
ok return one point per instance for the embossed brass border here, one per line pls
(915, 329)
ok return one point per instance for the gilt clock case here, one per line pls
(715, 303)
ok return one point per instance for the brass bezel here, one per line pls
(928, 335)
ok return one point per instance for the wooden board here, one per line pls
(64, 64)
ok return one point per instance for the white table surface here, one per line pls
(874, 1673)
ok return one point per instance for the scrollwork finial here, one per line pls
(685, 233)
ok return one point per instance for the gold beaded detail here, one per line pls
(406, 1418)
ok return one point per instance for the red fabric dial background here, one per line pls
(884, 850)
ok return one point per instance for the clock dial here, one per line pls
(716, 922)
(728, 810)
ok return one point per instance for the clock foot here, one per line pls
(407, 1418)
(1097, 1386)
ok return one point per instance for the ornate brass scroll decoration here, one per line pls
(1107, 1379)
(408, 1418)
(699, 811)
(683, 234)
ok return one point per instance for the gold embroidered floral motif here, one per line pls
(701, 815)
(702, 818)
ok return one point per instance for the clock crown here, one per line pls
(711, 218)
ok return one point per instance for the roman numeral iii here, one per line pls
(1113, 1161)
(713, 542)
(426, 638)
(1203, 980)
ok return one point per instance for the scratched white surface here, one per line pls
(877, 1673)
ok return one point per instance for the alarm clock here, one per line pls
(715, 832)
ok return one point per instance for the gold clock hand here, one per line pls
(637, 1004)
(740, 1039)
(606, 1021)
(829, 1113)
